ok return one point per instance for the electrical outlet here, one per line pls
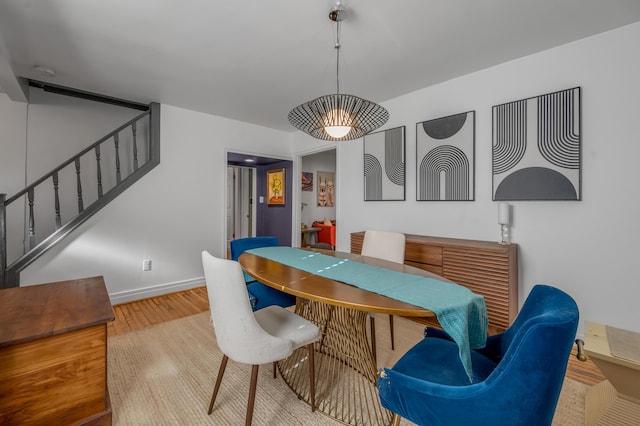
(146, 265)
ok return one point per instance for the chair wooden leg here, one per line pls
(391, 331)
(223, 365)
(372, 321)
(275, 373)
(312, 378)
(396, 420)
(252, 395)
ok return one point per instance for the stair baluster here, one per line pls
(32, 220)
(79, 186)
(99, 171)
(57, 200)
(135, 147)
(116, 142)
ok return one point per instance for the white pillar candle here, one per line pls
(503, 213)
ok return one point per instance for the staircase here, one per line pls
(102, 172)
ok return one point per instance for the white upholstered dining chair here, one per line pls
(387, 246)
(264, 336)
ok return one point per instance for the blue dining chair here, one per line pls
(518, 375)
(260, 295)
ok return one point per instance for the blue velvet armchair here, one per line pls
(260, 295)
(517, 375)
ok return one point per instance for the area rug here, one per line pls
(164, 375)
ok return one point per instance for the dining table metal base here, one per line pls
(345, 371)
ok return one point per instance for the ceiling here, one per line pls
(254, 60)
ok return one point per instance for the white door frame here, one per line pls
(296, 216)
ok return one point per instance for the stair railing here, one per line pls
(50, 183)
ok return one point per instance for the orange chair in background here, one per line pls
(327, 233)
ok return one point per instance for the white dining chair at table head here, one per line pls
(384, 245)
(387, 246)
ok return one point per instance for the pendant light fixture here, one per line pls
(338, 117)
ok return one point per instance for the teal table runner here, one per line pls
(461, 313)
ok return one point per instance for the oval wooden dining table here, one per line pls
(345, 366)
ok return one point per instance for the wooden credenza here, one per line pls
(53, 354)
(486, 268)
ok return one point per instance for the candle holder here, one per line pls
(504, 220)
(504, 233)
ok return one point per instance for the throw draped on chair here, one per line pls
(518, 374)
(265, 336)
(261, 295)
(387, 246)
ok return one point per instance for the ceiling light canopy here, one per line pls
(338, 117)
(44, 71)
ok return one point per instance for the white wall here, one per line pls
(169, 216)
(13, 133)
(13, 125)
(587, 248)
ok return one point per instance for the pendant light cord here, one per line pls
(338, 56)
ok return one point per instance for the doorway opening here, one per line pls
(318, 196)
(248, 214)
(240, 208)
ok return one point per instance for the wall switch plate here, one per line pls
(146, 265)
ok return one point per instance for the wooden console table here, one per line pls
(486, 268)
(53, 353)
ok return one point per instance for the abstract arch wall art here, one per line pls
(445, 158)
(536, 148)
(384, 165)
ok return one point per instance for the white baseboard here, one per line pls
(157, 290)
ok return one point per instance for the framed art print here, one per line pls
(384, 165)
(445, 158)
(275, 187)
(536, 148)
(326, 189)
(307, 181)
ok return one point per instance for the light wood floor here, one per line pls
(148, 312)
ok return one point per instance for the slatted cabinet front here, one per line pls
(486, 268)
